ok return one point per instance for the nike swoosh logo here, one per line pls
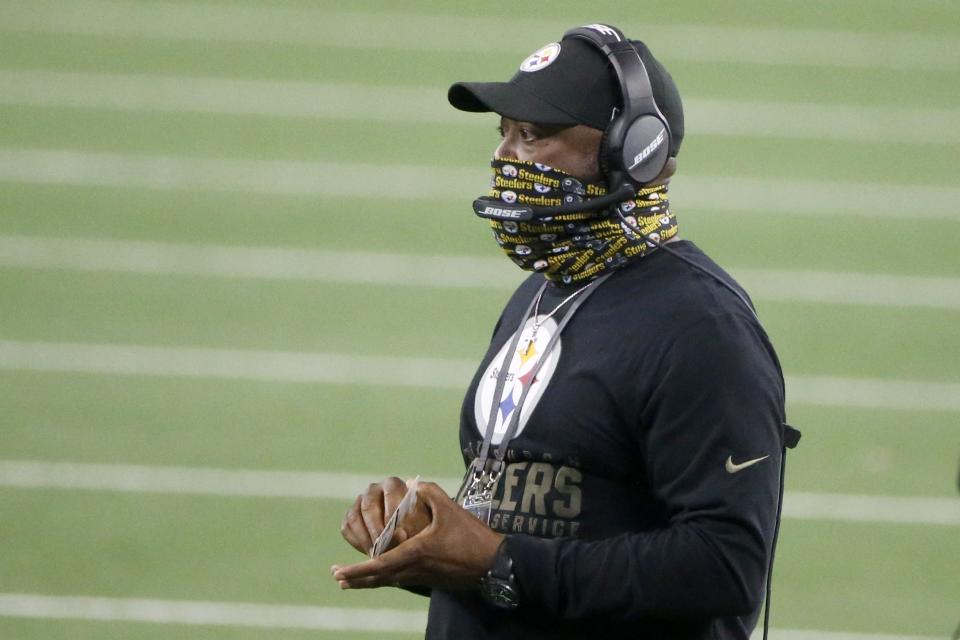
(731, 467)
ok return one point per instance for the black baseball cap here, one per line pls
(566, 83)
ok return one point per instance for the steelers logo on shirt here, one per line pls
(519, 378)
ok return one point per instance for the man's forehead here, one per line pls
(543, 126)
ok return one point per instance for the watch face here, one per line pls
(500, 594)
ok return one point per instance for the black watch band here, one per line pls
(499, 586)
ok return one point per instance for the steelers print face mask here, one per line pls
(574, 247)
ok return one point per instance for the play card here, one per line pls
(386, 536)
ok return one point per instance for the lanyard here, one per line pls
(479, 469)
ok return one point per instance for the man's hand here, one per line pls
(453, 551)
(365, 520)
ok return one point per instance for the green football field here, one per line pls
(240, 278)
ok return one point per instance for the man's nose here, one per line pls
(505, 149)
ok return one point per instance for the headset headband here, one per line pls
(634, 149)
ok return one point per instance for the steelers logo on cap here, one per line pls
(542, 58)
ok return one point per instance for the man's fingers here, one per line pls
(433, 498)
(379, 502)
(370, 581)
(354, 530)
(369, 568)
(385, 570)
(364, 583)
(365, 575)
(393, 491)
(365, 569)
(371, 509)
(431, 492)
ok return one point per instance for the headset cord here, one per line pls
(676, 254)
(783, 457)
(773, 545)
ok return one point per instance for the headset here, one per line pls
(636, 145)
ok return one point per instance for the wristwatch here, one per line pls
(499, 586)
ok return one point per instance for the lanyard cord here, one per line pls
(501, 381)
(501, 451)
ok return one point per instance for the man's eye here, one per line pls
(528, 135)
(500, 131)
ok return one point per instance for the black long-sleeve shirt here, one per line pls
(640, 493)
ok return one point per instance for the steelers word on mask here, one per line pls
(581, 246)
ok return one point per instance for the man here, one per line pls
(623, 433)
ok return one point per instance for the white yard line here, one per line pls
(275, 98)
(272, 616)
(239, 364)
(280, 177)
(471, 35)
(33, 252)
(329, 485)
(810, 634)
(231, 614)
(850, 288)
(436, 373)
(161, 93)
(861, 508)
(320, 485)
(872, 393)
(117, 256)
(822, 121)
(424, 182)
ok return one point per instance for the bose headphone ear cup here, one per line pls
(645, 149)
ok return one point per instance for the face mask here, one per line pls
(575, 247)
